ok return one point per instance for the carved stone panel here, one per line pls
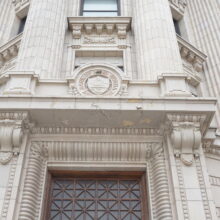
(97, 80)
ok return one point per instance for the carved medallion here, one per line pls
(98, 81)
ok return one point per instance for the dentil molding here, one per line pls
(12, 126)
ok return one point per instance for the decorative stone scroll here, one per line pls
(98, 80)
(11, 131)
(186, 136)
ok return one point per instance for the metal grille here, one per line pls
(96, 199)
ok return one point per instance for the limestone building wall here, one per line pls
(121, 94)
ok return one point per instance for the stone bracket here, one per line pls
(185, 133)
(12, 127)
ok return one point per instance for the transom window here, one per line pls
(111, 197)
(100, 8)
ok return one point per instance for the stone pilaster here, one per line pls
(158, 181)
(156, 44)
(43, 39)
(30, 204)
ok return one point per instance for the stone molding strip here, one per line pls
(9, 188)
(202, 185)
(95, 131)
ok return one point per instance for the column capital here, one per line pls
(12, 129)
(185, 134)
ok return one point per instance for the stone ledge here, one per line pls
(100, 24)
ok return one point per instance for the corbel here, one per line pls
(185, 134)
(122, 30)
(88, 28)
(109, 28)
(99, 28)
(77, 31)
(198, 64)
(12, 128)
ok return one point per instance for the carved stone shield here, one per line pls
(98, 85)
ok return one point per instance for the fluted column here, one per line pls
(43, 41)
(6, 7)
(204, 16)
(156, 44)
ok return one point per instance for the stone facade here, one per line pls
(123, 93)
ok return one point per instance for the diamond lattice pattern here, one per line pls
(99, 199)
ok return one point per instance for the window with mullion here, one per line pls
(100, 8)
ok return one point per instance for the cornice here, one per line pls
(100, 25)
(9, 50)
(191, 54)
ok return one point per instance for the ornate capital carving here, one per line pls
(11, 132)
(185, 133)
(38, 150)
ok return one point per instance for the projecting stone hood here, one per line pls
(99, 25)
(111, 112)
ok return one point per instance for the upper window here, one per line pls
(177, 26)
(22, 25)
(100, 8)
